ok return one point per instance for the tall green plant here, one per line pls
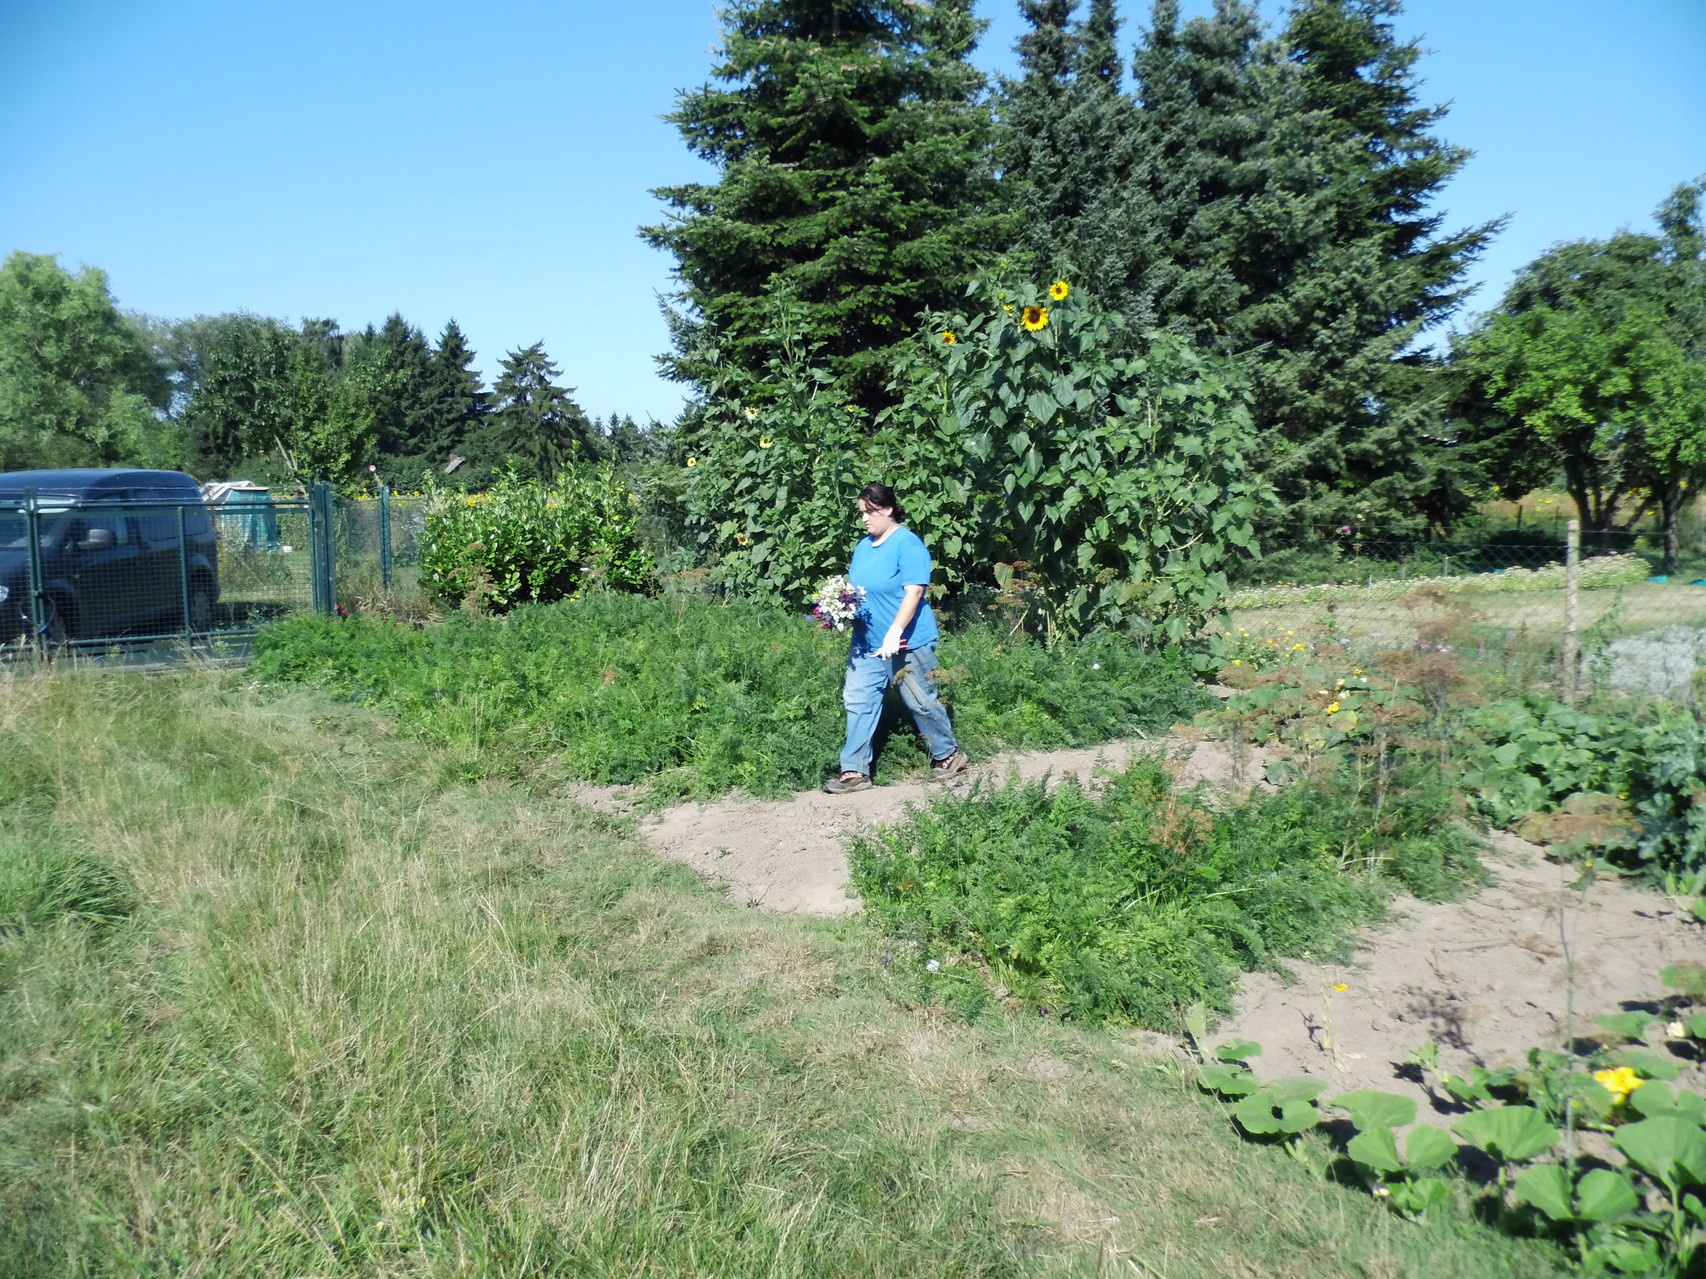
(1040, 430)
(523, 541)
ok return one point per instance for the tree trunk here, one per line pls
(1670, 504)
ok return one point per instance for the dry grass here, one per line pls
(345, 1014)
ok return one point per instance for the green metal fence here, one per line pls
(159, 578)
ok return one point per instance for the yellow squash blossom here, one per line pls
(1034, 318)
(1619, 1082)
(1332, 708)
(1059, 290)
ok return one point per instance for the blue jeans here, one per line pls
(862, 695)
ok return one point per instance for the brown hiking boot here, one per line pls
(953, 766)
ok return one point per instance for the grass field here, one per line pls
(1524, 618)
(284, 996)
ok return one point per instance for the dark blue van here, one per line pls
(122, 553)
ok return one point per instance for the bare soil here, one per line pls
(1527, 961)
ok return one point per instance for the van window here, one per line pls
(93, 517)
(158, 525)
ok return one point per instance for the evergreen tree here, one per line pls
(405, 400)
(1283, 184)
(1067, 146)
(854, 175)
(535, 425)
(460, 402)
(1352, 412)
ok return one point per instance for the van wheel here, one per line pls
(201, 605)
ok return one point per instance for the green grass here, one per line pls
(286, 998)
(1131, 902)
(695, 697)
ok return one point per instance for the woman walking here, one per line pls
(894, 640)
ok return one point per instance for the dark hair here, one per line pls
(874, 494)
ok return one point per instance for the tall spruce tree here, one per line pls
(460, 402)
(1285, 182)
(535, 424)
(400, 371)
(1066, 148)
(854, 176)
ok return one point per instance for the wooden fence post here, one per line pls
(1572, 582)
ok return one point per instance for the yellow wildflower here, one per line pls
(1619, 1082)
(948, 338)
(1341, 986)
(764, 441)
(751, 413)
(1059, 290)
(693, 461)
(1034, 318)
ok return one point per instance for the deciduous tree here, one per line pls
(79, 385)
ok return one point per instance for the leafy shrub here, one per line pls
(1534, 755)
(1134, 903)
(525, 541)
(695, 697)
(1109, 463)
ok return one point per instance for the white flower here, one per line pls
(1676, 1030)
(1095, 666)
(934, 966)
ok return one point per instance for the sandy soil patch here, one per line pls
(1485, 978)
(788, 855)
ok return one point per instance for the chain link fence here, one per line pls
(1542, 606)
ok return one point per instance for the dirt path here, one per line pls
(1484, 978)
(787, 855)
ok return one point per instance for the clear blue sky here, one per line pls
(491, 162)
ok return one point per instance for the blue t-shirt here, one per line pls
(885, 572)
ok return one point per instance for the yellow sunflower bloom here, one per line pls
(764, 441)
(1059, 290)
(948, 338)
(693, 461)
(1034, 318)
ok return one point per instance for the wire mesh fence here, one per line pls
(95, 574)
(93, 570)
(1524, 608)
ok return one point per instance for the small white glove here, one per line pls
(890, 645)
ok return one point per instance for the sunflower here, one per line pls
(1059, 290)
(948, 338)
(1034, 318)
(693, 461)
(764, 441)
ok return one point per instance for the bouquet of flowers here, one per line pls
(837, 603)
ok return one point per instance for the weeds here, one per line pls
(694, 697)
(1134, 902)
